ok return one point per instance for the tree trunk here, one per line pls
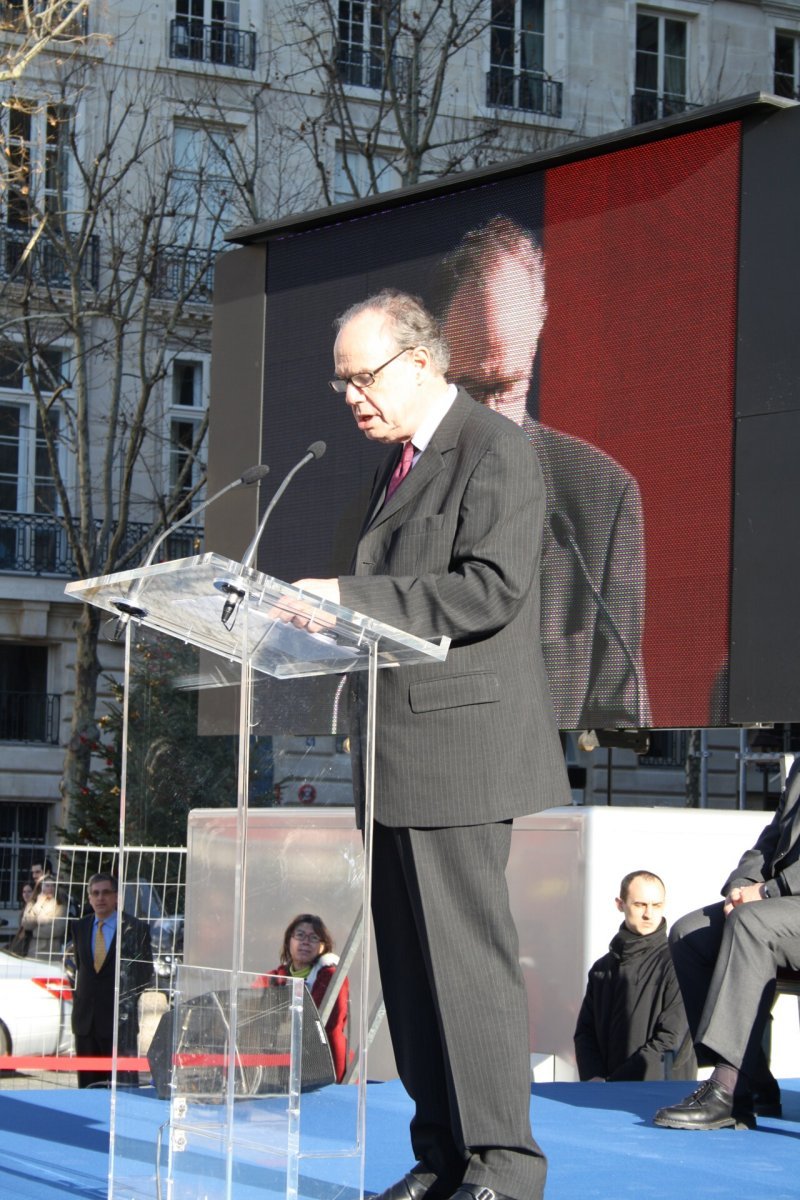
(83, 729)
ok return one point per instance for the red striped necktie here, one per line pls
(401, 470)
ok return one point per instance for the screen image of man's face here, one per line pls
(492, 326)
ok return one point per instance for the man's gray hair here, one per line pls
(408, 321)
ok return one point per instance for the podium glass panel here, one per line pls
(233, 745)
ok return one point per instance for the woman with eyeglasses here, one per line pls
(307, 954)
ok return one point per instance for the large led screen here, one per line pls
(593, 302)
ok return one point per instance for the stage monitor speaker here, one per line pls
(195, 1063)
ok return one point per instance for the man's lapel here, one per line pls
(428, 465)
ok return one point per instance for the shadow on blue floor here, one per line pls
(598, 1137)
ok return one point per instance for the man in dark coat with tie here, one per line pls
(450, 548)
(97, 940)
(726, 957)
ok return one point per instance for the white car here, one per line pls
(35, 1006)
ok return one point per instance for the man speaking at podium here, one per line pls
(450, 546)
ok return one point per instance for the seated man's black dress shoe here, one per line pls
(708, 1107)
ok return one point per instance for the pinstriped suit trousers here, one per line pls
(726, 970)
(456, 1003)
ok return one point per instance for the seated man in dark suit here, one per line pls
(632, 1023)
(96, 942)
(726, 957)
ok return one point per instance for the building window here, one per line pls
(27, 482)
(27, 712)
(660, 72)
(37, 161)
(516, 76)
(354, 176)
(23, 828)
(201, 185)
(187, 383)
(208, 31)
(786, 80)
(360, 50)
(26, 476)
(188, 407)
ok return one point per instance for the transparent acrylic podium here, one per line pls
(229, 714)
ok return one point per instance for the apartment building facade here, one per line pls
(128, 155)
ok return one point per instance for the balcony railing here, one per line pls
(650, 106)
(361, 67)
(29, 717)
(225, 45)
(44, 265)
(526, 91)
(36, 544)
(184, 274)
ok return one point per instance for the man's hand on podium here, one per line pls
(305, 614)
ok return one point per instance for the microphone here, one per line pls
(315, 450)
(563, 532)
(127, 608)
(235, 594)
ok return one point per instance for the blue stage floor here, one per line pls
(598, 1138)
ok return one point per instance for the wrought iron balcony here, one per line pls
(650, 106)
(36, 544)
(184, 274)
(526, 91)
(43, 265)
(361, 67)
(29, 717)
(225, 45)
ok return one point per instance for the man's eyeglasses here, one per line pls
(365, 379)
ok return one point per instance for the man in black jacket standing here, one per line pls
(632, 1015)
(97, 940)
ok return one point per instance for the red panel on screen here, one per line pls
(642, 244)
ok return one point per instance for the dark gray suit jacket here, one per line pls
(455, 553)
(776, 854)
(594, 682)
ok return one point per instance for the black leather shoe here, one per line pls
(410, 1187)
(709, 1107)
(477, 1191)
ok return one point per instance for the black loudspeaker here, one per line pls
(195, 1062)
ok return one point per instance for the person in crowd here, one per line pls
(490, 291)
(307, 953)
(632, 1023)
(39, 868)
(22, 938)
(97, 940)
(449, 548)
(726, 958)
(45, 920)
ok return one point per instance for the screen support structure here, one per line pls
(244, 1113)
